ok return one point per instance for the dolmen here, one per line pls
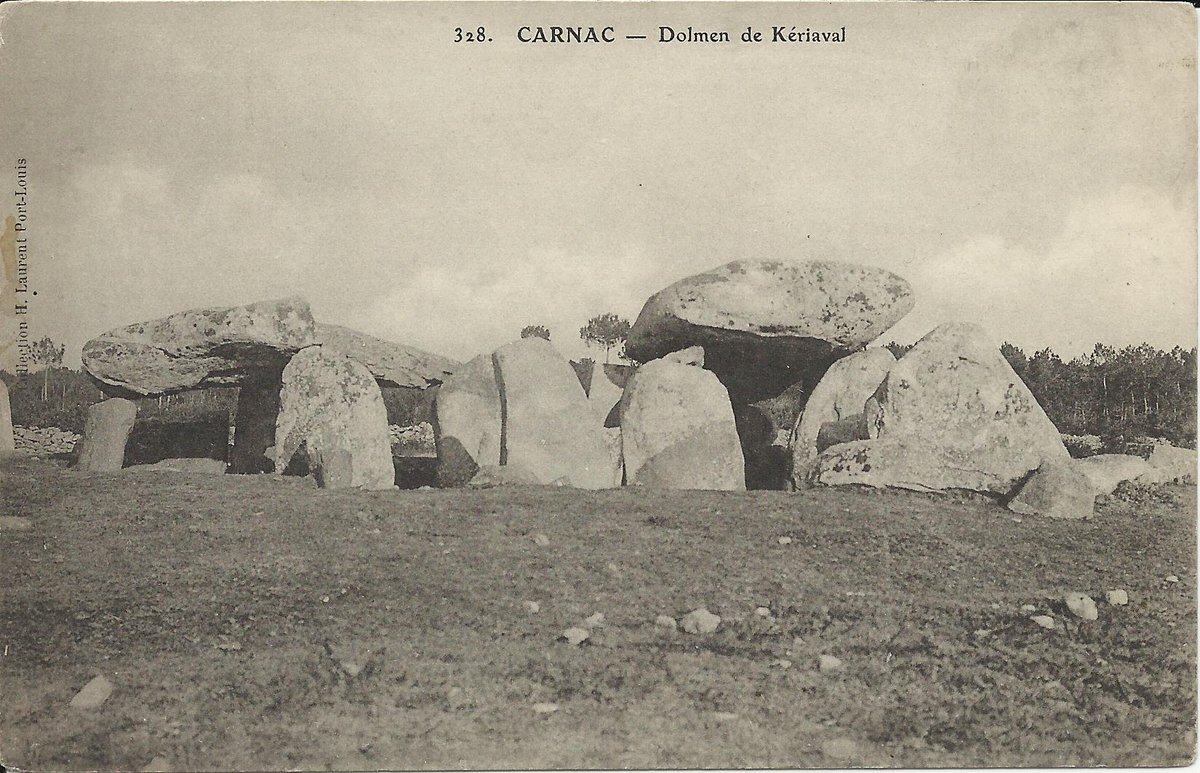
(303, 386)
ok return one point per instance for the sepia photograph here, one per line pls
(394, 386)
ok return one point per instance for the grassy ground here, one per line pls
(256, 622)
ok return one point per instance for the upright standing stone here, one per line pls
(254, 425)
(548, 427)
(7, 442)
(678, 430)
(102, 447)
(332, 406)
(467, 422)
(840, 394)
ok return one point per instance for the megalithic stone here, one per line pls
(254, 426)
(102, 447)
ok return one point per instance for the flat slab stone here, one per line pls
(393, 364)
(200, 347)
(766, 324)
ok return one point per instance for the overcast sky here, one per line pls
(1032, 168)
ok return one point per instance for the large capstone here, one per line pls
(102, 447)
(951, 414)
(201, 347)
(392, 364)
(467, 422)
(548, 426)
(331, 407)
(839, 396)
(767, 324)
(678, 430)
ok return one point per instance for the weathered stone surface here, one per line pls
(840, 394)
(548, 427)
(102, 447)
(254, 425)
(332, 406)
(1057, 489)
(693, 355)
(1107, 471)
(953, 403)
(890, 463)
(392, 364)
(467, 422)
(678, 430)
(201, 347)
(767, 324)
(1169, 464)
(191, 464)
(7, 440)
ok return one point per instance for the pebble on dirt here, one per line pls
(1044, 621)
(784, 540)
(545, 708)
(575, 636)
(829, 663)
(1172, 578)
(700, 621)
(1117, 598)
(665, 621)
(594, 621)
(1082, 606)
(532, 607)
(93, 694)
(1028, 608)
(541, 540)
(763, 611)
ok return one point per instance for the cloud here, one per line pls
(467, 307)
(1122, 269)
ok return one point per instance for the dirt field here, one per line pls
(259, 623)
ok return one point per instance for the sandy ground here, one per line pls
(260, 623)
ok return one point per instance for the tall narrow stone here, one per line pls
(467, 422)
(102, 447)
(254, 426)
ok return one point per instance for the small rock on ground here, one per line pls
(829, 663)
(784, 540)
(575, 636)
(1082, 606)
(541, 540)
(594, 621)
(665, 621)
(93, 694)
(1172, 578)
(1117, 598)
(763, 611)
(700, 621)
(545, 708)
(1044, 621)
(532, 607)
